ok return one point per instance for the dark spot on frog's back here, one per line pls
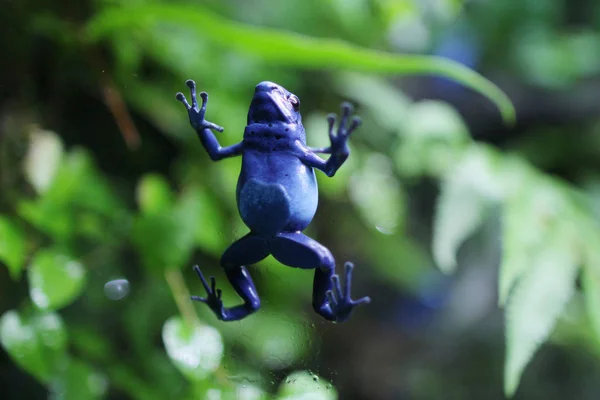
(264, 207)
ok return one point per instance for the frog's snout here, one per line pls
(270, 103)
(266, 86)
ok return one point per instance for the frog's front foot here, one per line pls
(340, 303)
(213, 298)
(339, 139)
(196, 114)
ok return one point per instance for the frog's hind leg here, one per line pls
(248, 250)
(299, 251)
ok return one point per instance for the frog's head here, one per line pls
(272, 103)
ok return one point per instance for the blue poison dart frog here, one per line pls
(277, 198)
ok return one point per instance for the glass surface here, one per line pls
(475, 237)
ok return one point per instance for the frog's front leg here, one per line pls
(204, 128)
(248, 250)
(339, 149)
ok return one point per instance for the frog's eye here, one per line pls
(295, 101)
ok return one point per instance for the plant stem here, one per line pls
(181, 295)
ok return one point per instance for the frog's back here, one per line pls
(276, 192)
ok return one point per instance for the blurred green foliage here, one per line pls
(93, 198)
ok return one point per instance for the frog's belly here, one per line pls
(270, 208)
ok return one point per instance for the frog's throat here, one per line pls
(289, 130)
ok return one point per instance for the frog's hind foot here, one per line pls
(243, 285)
(213, 295)
(339, 303)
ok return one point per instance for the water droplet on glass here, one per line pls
(116, 289)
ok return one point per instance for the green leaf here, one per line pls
(210, 223)
(517, 245)
(591, 290)
(128, 53)
(249, 392)
(37, 344)
(536, 302)
(154, 194)
(55, 279)
(433, 137)
(466, 193)
(42, 159)
(388, 105)
(52, 334)
(396, 259)
(521, 237)
(49, 217)
(164, 240)
(213, 390)
(590, 278)
(202, 217)
(78, 381)
(79, 184)
(166, 232)
(526, 230)
(90, 343)
(196, 351)
(459, 213)
(291, 48)
(435, 120)
(12, 247)
(19, 339)
(78, 201)
(377, 194)
(157, 239)
(302, 385)
(127, 381)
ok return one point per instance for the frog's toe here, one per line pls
(181, 98)
(340, 300)
(362, 300)
(356, 121)
(347, 109)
